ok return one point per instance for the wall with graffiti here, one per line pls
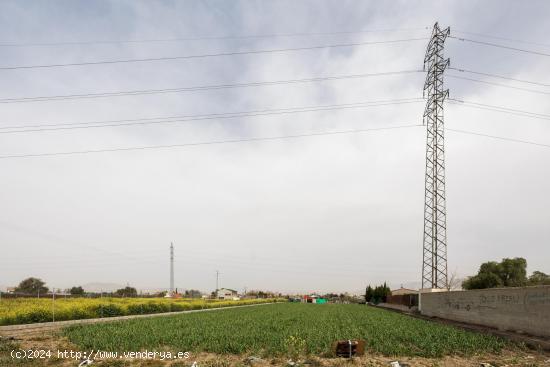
(525, 310)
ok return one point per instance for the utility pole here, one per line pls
(217, 280)
(171, 268)
(434, 266)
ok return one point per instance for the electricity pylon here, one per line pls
(434, 266)
(171, 269)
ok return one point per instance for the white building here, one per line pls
(228, 294)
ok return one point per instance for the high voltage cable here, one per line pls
(155, 257)
(274, 35)
(35, 155)
(199, 88)
(499, 137)
(215, 142)
(235, 53)
(208, 38)
(254, 113)
(60, 240)
(498, 84)
(184, 118)
(489, 107)
(500, 46)
(270, 267)
(498, 76)
(502, 38)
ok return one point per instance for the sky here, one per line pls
(312, 214)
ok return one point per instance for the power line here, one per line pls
(507, 110)
(499, 76)
(183, 118)
(499, 137)
(501, 46)
(498, 84)
(61, 241)
(502, 38)
(207, 38)
(200, 88)
(186, 57)
(215, 142)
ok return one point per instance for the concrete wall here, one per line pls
(515, 309)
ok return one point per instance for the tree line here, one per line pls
(378, 294)
(507, 273)
(510, 272)
(37, 287)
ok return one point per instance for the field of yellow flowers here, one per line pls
(31, 310)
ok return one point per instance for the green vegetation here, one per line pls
(77, 291)
(539, 278)
(31, 310)
(126, 292)
(32, 286)
(377, 294)
(507, 273)
(284, 329)
(6, 346)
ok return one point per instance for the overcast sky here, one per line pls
(321, 213)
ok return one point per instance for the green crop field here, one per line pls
(284, 329)
(30, 310)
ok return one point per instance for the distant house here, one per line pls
(402, 291)
(10, 289)
(313, 299)
(226, 293)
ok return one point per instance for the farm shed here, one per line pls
(404, 297)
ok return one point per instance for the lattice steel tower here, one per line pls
(171, 269)
(434, 266)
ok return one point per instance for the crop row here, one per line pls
(284, 329)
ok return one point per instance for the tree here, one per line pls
(126, 292)
(492, 274)
(382, 292)
(378, 294)
(368, 294)
(482, 281)
(539, 278)
(77, 291)
(513, 272)
(454, 282)
(32, 286)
